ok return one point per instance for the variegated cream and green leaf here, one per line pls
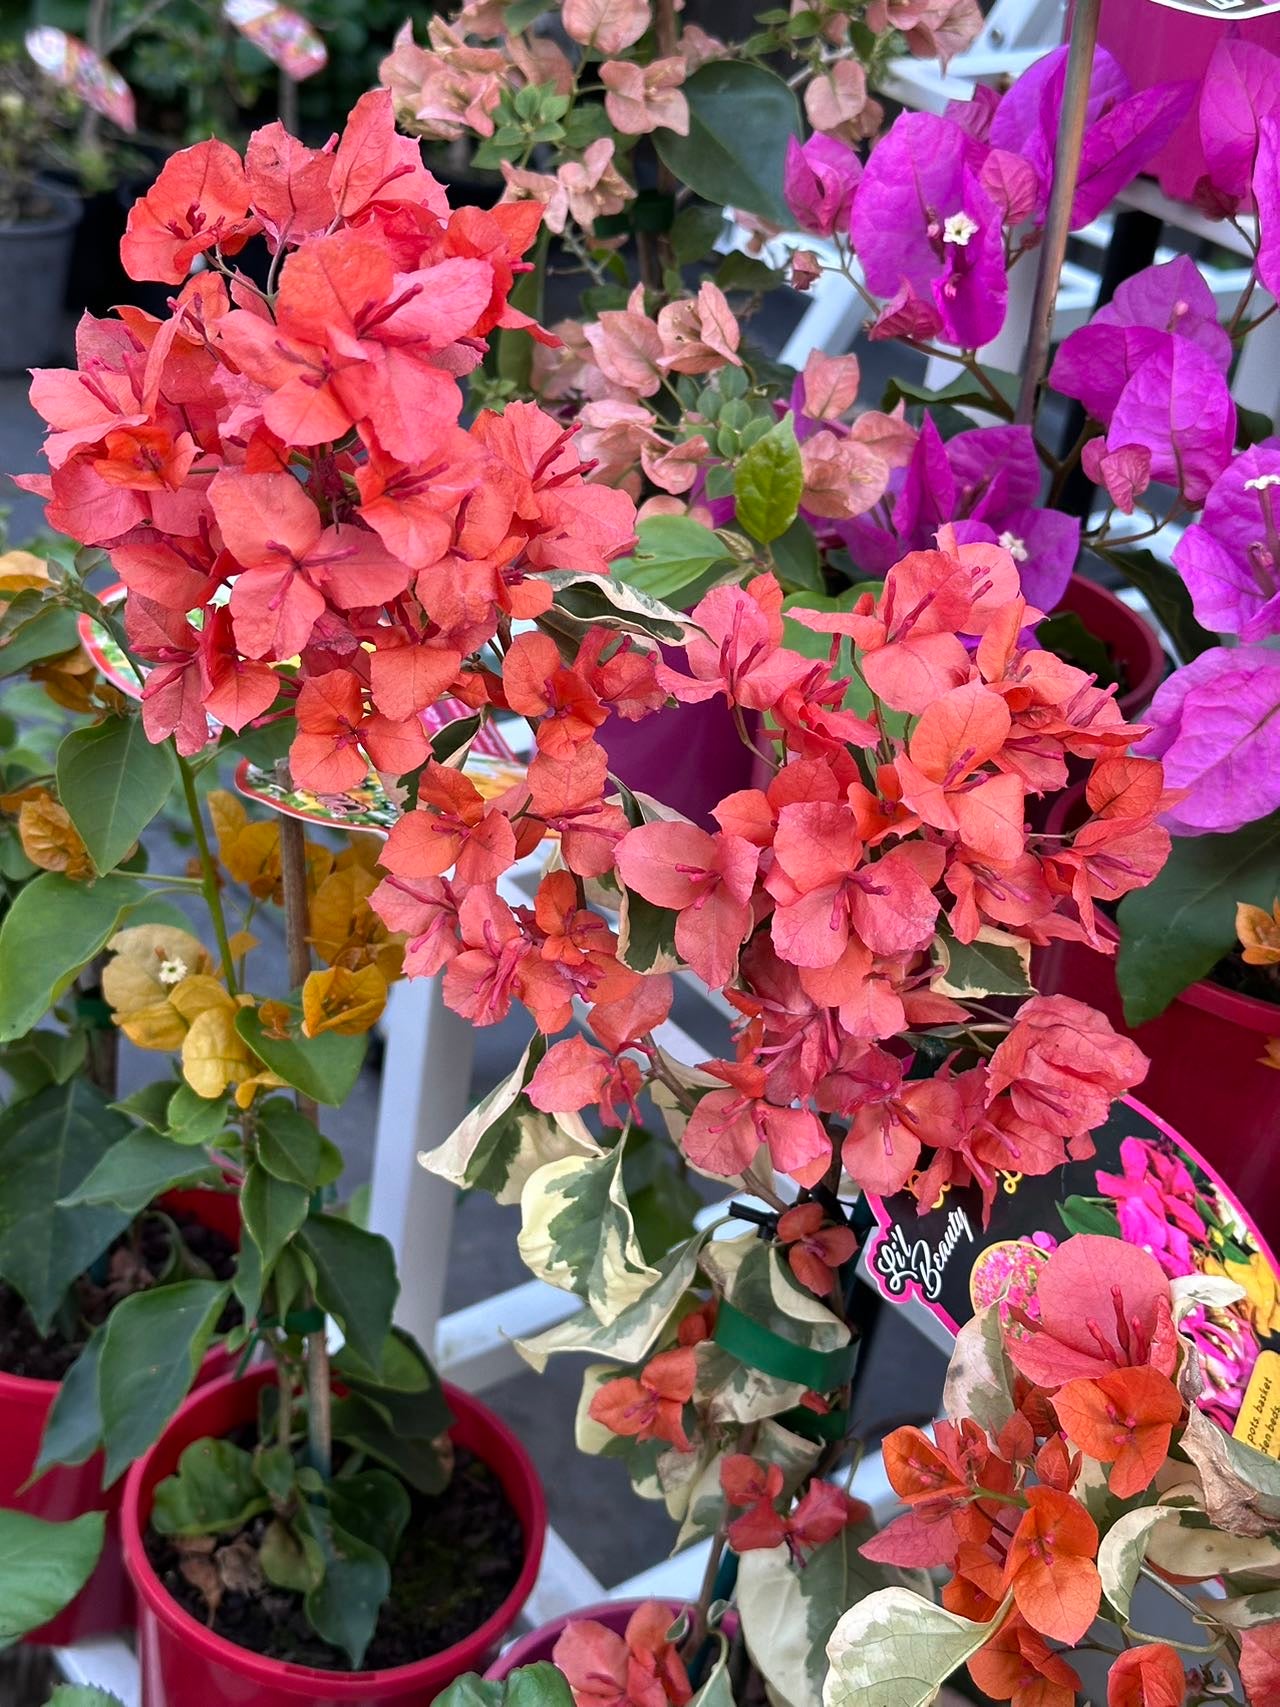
(789, 1612)
(896, 1649)
(756, 1281)
(577, 1232)
(505, 1139)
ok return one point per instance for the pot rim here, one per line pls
(1251, 1013)
(66, 215)
(1138, 695)
(336, 1685)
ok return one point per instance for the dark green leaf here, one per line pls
(43, 1566)
(73, 1430)
(1252, 426)
(727, 158)
(416, 1458)
(451, 740)
(694, 232)
(113, 781)
(290, 1146)
(82, 1695)
(808, 641)
(662, 1198)
(1176, 929)
(745, 273)
(47, 1146)
(324, 1068)
(1166, 593)
(52, 930)
(963, 392)
(796, 554)
(538, 1685)
(42, 1058)
(1080, 1215)
(274, 1209)
(154, 1343)
(46, 634)
(646, 937)
(194, 1119)
(214, 1491)
(586, 601)
(149, 1104)
(984, 968)
(344, 1605)
(141, 1166)
(1066, 636)
(290, 1558)
(768, 482)
(355, 1280)
(373, 1506)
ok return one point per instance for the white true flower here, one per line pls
(1260, 482)
(172, 971)
(1017, 548)
(959, 229)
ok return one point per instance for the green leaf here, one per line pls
(662, 1198)
(694, 232)
(1123, 1549)
(1166, 592)
(141, 1166)
(274, 1210)
(577, 1232)
(896, 1649)
(1079, 1215)
(113, 781)
(807, 641)
(745, 273)
(47, 1146)
(41, 1058)
(73, 1430)
(152, 1350)
(768, 482)
(52, 930)
(324, 1068)
(290, 1558)
(1066, 636)
(46, 634)
(43, 1566)
(194, 1119)
(1176, 929)
(355, 1280)
(373, 1506)
(415, 1457)
(290, 1146)
(672, 553)
(963, 392)
(344, 1605)
(149, 1104)
(795, 553)
(82, 1695)
(213, 1491)
(646, 935)
(724, 159)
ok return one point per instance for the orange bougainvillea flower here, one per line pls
(650, 1407)
(1259, 933)
(815, 1252)
(1056, 1586)
(1018, 1665)
(1124, 1419)
(1150, 1676)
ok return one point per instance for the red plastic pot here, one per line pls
(105, 1603)
(1130, 640)
(539, 1644)
(186, 1665)
(1168, 47)
(1206, 1078)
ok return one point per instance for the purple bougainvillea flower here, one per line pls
(818, 180)
(1095, 362)
(1241, 87)
(1177, 404)
(1215, 723)
(987, 482)
(1123, 130)
(1230, 558)
(922, 218)
(1266, 194)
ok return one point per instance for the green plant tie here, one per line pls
(816, 1425)
(760, 1348)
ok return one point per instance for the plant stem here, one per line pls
(209, 881)
(293, 872)
(1057, 225)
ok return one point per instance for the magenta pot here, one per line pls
(186, 1665)
(1130, 640)
(1168, 46)
(105, 1603)
(1206, 1077)
(686, 756)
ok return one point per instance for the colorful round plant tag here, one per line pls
(285, 36)
(1144, 1185)
(72, 64)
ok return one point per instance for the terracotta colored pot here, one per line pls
(1168, 46)
(688, 756)
(186, 1665)
(1130, 640)
(1206, 1077)
(105, 1603)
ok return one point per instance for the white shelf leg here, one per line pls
(426, 1088)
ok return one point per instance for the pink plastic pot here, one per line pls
(1130, 641)
(186, 1665)
(1167, 46)
(1206, 1077)
(105, 1603)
